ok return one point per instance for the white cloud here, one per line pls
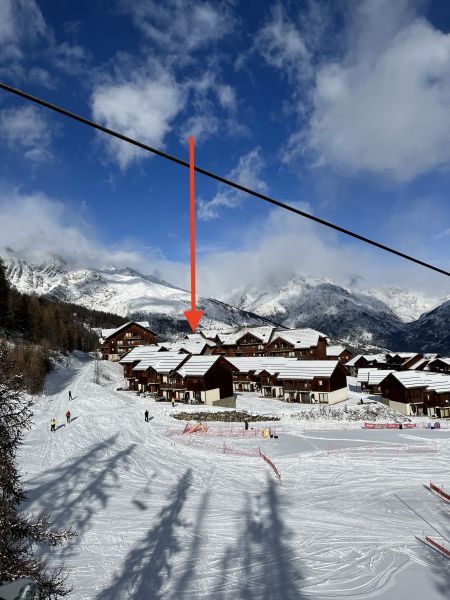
(179, 26)
(21, 22)
(143, 108)
(247, 173)
(26, 128)
(282, 46)
(273, 248)
(36, 227)
(383, 107)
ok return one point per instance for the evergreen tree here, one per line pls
(4, 296)
(21, 533)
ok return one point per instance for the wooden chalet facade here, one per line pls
(305, 344)
(318, 381)
(417, 393)
(115, 343)
(340, 353)
(440, 365)
(182, 377)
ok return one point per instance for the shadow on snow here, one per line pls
(72, 492)
(148, 566)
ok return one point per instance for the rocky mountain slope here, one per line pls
(124, 292)
(386, 317)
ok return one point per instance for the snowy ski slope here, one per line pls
(159, 517)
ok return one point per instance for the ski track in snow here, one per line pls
(174, 517)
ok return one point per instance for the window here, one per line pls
(164, 378)
(323, 397)
(320, 382)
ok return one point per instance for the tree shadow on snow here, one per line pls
(148, 566)
(263, 556)
(72, 492)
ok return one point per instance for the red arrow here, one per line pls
(193, 316)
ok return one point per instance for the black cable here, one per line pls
(228, 182)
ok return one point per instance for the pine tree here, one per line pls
(21, 533)
(4, 296)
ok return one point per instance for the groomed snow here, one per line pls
(164, 515)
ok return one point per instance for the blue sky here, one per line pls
(341, 108)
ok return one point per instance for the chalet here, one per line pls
(439, 365)
(417, 393)
(207, 379)
(374, 379)
(400, 361)
(114, 343)
(338, 352)
(137, 354)
(299, 343)
(437, 396)
(193, 345)
(404, 391)
(249, 341)
(314, 381)
(258, 373)
(146, 375)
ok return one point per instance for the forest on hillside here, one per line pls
(35, 327)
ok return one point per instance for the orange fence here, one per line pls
(439, 547)
(269, 462)
(439, 491)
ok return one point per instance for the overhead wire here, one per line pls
(219, 178)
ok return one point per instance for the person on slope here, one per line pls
(173, 402)
(246, 424)
(68, 416)
(146, 416)
(70, 395)
(53, 425)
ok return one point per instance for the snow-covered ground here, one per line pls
(164, 515)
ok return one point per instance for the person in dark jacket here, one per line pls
(146, 416)
(70, 395)
(246, 424)
(68, 416)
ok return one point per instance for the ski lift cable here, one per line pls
(219, 178)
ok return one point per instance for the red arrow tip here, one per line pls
(193, 317)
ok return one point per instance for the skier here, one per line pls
(246, 424)
(146, 416)
(70, 395)
(173, 402)
(53, 425)
(68, 416)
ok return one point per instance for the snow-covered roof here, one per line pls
(262, 333)
(308, 369)
(439, 383)
(139, 352)
(363, 374)
(444, 360)
(197, 337)
(106, 333)
(376, 376)
(163, 362)
(368, 357)
(418, 363)
(271, 364)
(190, 346)
(335, 350)
(299, 338)
(213, 333)
(197, 365)
(412, 379)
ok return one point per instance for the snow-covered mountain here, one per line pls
(283, 303)
(122, 291)
(386, 317)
